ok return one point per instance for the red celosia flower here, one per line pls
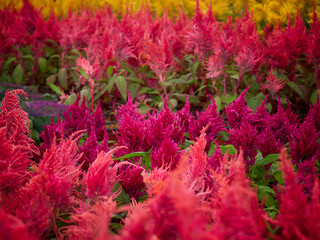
(60, 163)
(267, 143)
(238, 112)
(16, 147)
(155, 180)
(245, 138)
(176, 212)
(101, 176)
(131, 181)
(31, 205)
(132, 129)
(201, 34)
(303, 142)
(312, 50)
(15, 121)
(166, 155)
(138, 224)
(163, 124)
(248, 54)
(210, 115)
(215, 160)
(297, 218)
(274, 84)
(240, 216)
(12, 228)
(92, 222)
(260, 119)
(283, 123)
(307, 174)
(76, 117)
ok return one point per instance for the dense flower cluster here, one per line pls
(189, 195)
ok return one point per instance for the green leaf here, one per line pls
(264, 191)
(146, 161)
(100, 93)
(181, 97)
(255, 101)
(123, 198)
(228, 98)
(18, 74)
(195, 67)
(122, 86)
(83, 73)
(134, 154)
(224, 149)
(110, 71)
(314, 96)
(43, 65)
(70, 99)
(133, 88)
(217, 99)
(40, 122)
(111, 83)
(8, 62)
(173, 103)
(278, 176)
(268, 159)
(63, 78)
(296, 88)
(55, 88)
(143, 108)
(258, 171)
(267, 189)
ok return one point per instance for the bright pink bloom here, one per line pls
(210, 115)
(240, 216)
(92, 222)
(274, 84)
(298, 218)
(101, 176)
(238, 112)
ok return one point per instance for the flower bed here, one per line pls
(216, 133)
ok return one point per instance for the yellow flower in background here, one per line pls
(265, 11)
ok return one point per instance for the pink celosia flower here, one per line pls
(303, 142)
(131, 181)
(155, 180)
(101, 176)
(60, 163)
(297, 218)
(260, 119)
(240, 216)
(166, 155)
(92, 222)
(138, 224)
(31, 205)
(283, 123)
(238, 112)
(12, 228)
(274, 84)
(15, 121)
(210, 115)
(163, 124)
(245, 138)
(215, 66)
(197, 162)
(201, 34)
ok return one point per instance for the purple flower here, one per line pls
(43, 108)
